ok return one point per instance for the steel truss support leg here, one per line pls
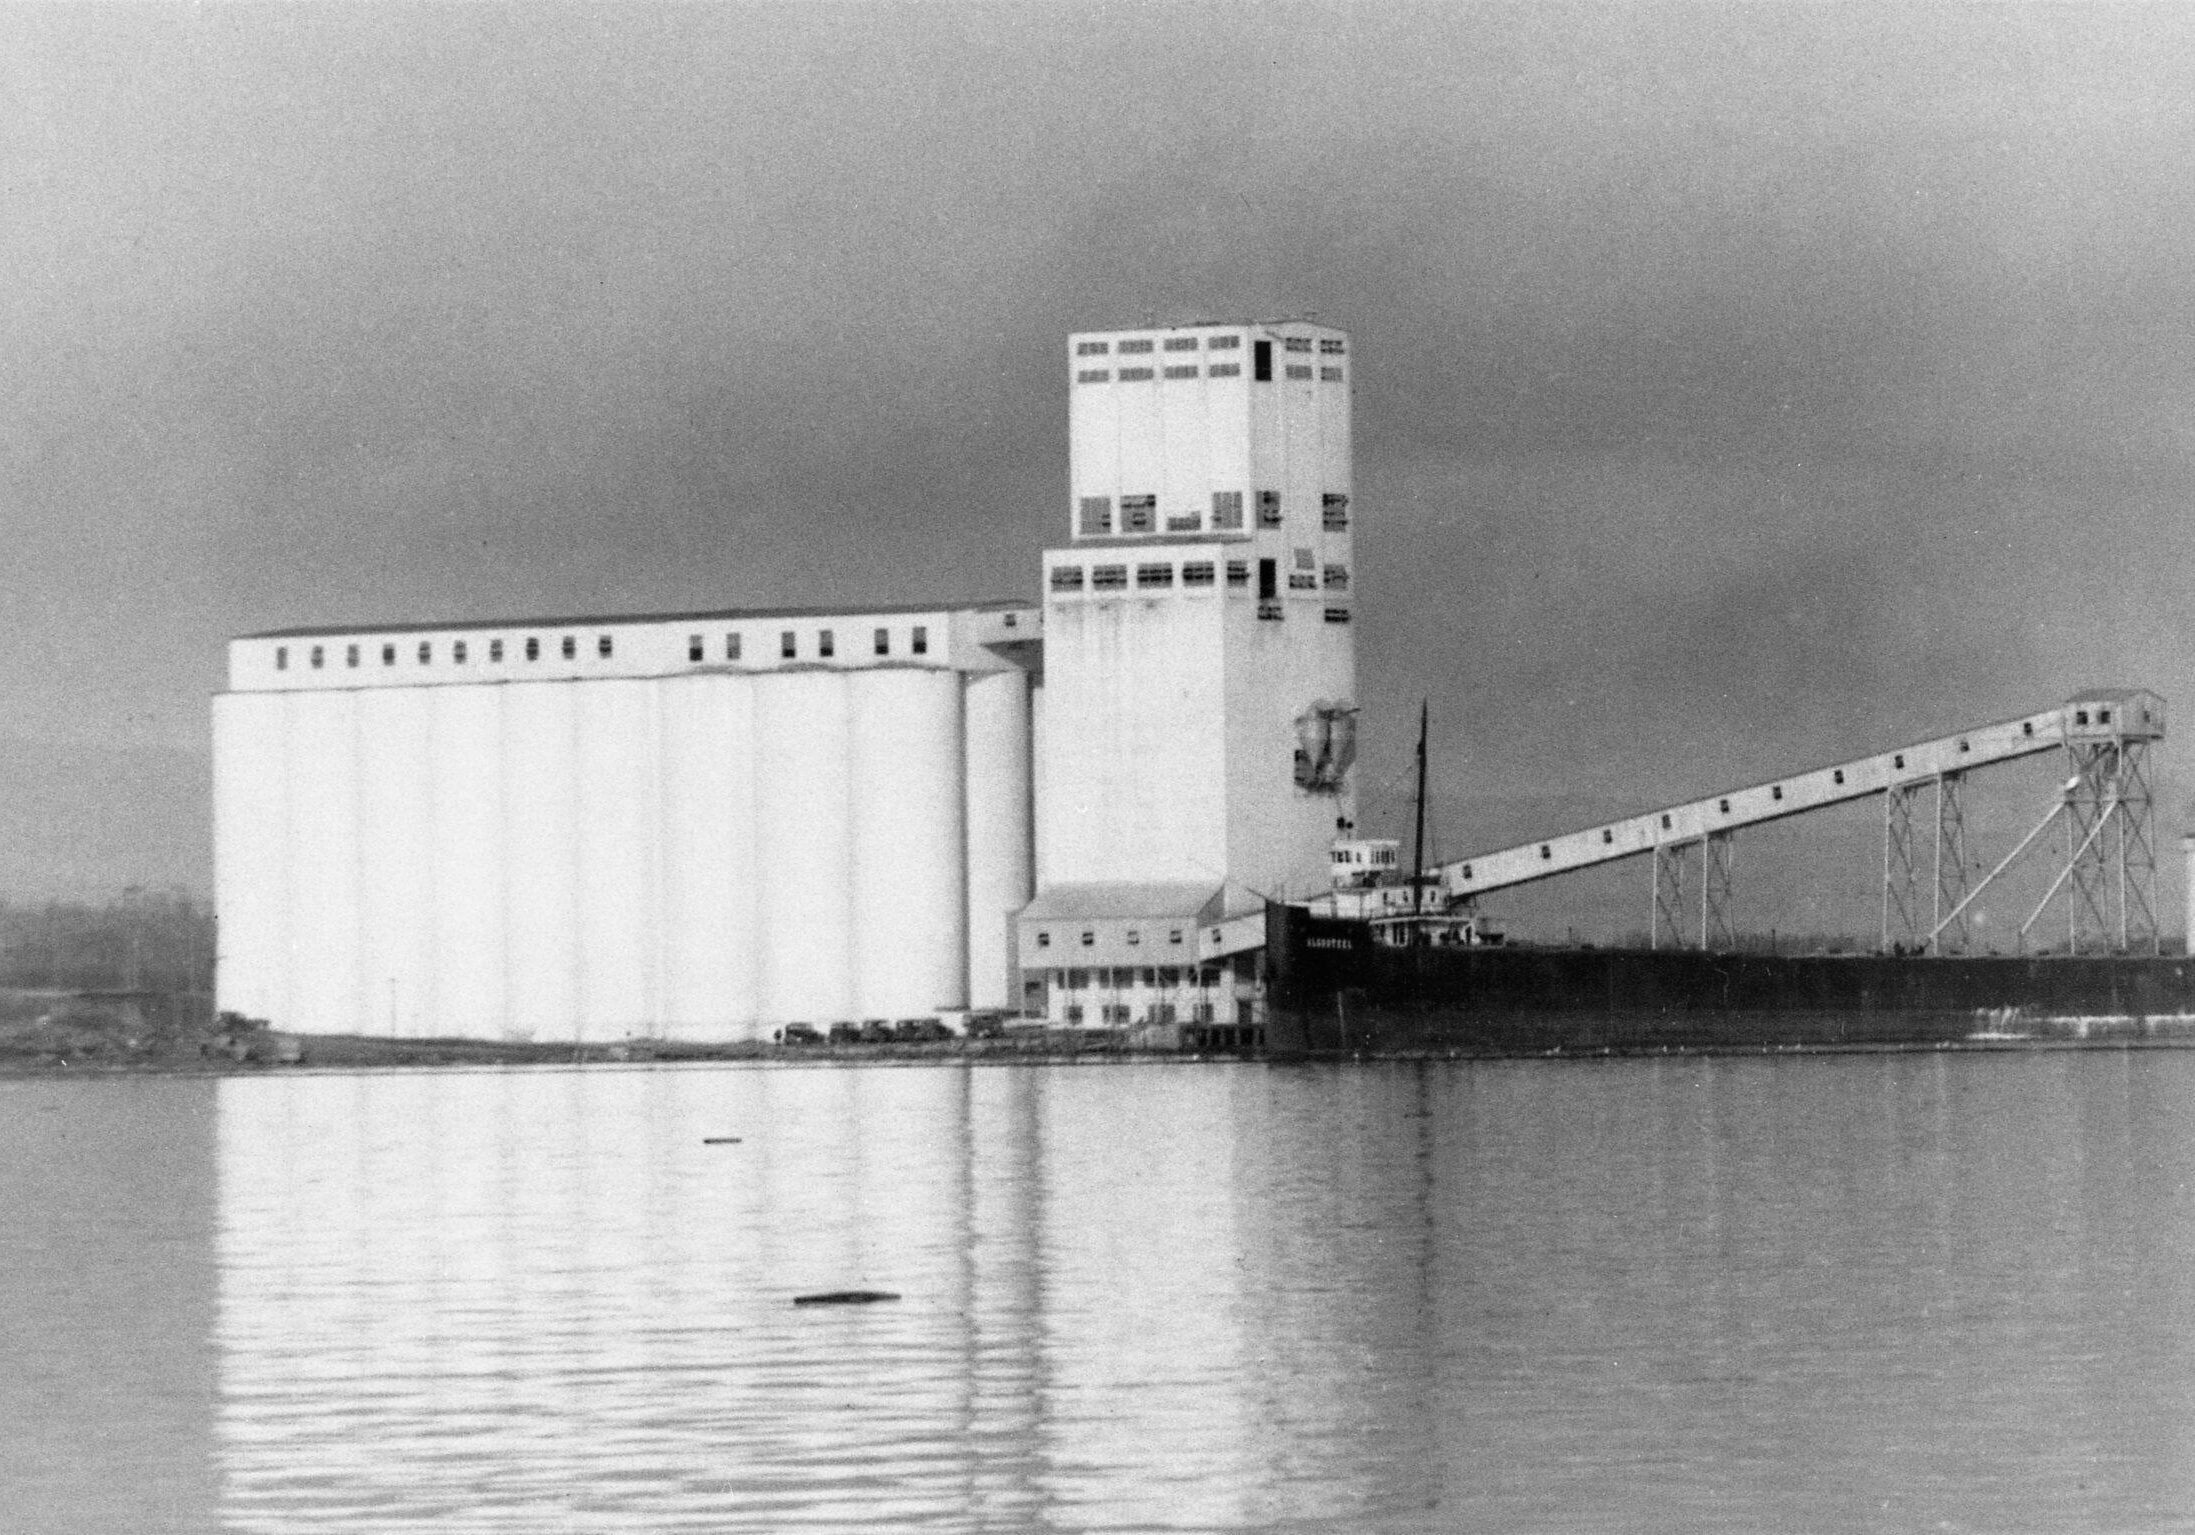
(1667, 922)
(2111, 850)
(1951, 888)
(1901, 879)
(1715, 931)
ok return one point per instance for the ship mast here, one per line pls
(1417, 861)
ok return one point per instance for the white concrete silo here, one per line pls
(616, 823)
(396, 874)
(711, 882)
(469, 860)
(326, 916)
(996, 717)
(907, 887)
(804, 827)
(540, 802)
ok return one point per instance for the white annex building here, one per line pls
(706, 826)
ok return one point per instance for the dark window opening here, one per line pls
(570, 647)
(1665, 823)
(884, 642)
(826, 643)
(350, 656)
(1226, 508)
(281, 658)
(533, 647)
(388, 655)
(426, 652)
(1268, 508)
(693, 647)
(317, 657)
(457, 652)
(1067, 578)
(787, 646)
(921, 645)
(1838, 775)
(495, 650)
(1261, 362)
(1137, 513)
(1268, 572)
(1097, 515)
(1607, 836)
(602, 647)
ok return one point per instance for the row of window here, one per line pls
(1121, 977)
(1139, 514)
(1328, 346)
(1114, 578)
(1300, 372)
(1137, 345)
(460, 651)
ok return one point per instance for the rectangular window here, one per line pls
(884, 642)
(1268, 580)
(1044, 939)
(1337, 615)
(1134, 375)
(1238, 572)
(1091, 375)
(350, 655)
(1303, 581)
(1330, 375)
(920, 644)
(1108, 578)
(787, 646)
(426, 652)
(1305, 560)
(693, 647)
(1337, 578)
(570, 647)
(1261, 362)
(1066, 578)
(1188, 523)
(1330, 346)
(495, 650)
(602, 647)
(1197, 573)
(1154, 575)
(457, 652)
(1268, 508)
(1181, 343)
(1128, 347)
(1223, 343)
(1096, 515)
(1137, 513)
(281, 658)
(1297, 370)
(1226, 508)
(388, 655)
(1092, 348)
(319, 656)
(1226, 370)
(731, 647)
(1334, 511)
(1189, 371)
(1298, 343)
(826, 643)
(533, 647)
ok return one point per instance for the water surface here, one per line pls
(1802, 1293)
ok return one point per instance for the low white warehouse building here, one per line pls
(699, 826)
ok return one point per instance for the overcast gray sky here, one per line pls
(1738, 387)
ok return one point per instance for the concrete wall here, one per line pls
(704, 856)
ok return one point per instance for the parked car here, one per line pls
(921, 1030)
(986, 1025)
(845, 1033)
(876, 1031)
(800, 1034)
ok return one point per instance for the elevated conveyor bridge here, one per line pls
(2104, 809)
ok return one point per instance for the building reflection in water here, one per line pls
(1675, 1295)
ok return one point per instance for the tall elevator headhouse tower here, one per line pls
(1200, 665)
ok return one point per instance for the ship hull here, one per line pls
(1331, 989)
